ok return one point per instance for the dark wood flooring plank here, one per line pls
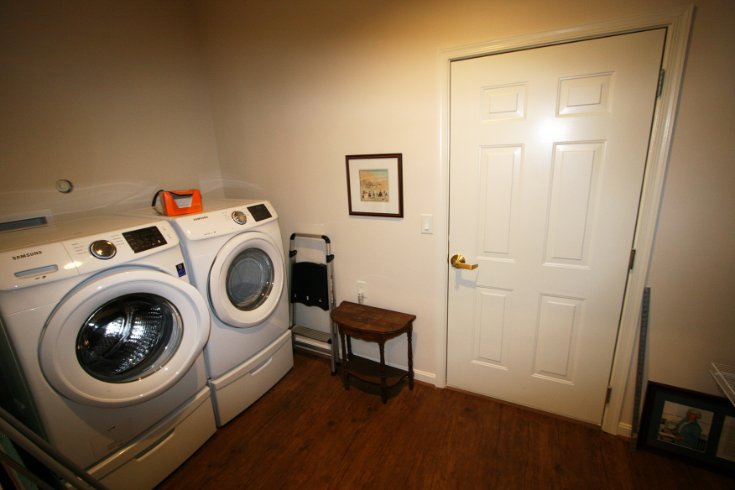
(309, 433)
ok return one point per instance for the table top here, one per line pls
(371, 320)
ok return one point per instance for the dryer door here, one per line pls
(123, 337)
(246, 280)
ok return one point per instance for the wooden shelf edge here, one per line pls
(368, 371)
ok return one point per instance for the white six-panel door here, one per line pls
(547, 154)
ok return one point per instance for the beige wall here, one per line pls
(116, 97)
(298, 85)
(110, 95)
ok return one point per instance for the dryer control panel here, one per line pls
(260, 212)
(226, 221)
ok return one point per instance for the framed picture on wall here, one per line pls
(375, 185)
(695, 426)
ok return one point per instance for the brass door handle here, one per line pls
(458, 262)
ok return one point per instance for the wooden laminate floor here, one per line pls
(310, 433)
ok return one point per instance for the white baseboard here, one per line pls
(625, 429)
(425, 377)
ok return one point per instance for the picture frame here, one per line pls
(698, 427)
(375, 185)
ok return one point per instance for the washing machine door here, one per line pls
(246, 280)
(123, 337)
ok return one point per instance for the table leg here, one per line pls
(410, 359)
(345, 362)
(383, 375)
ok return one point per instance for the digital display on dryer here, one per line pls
(259, 212)
(144, 239)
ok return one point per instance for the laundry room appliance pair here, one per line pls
(102, 343)
(234, 253)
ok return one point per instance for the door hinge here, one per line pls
(631, 259)
(660, 88)
(608, 395)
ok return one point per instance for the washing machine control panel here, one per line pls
(103, 249)
(144, 238)
(34, 263)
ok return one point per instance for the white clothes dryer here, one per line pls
(107, 337)
(235, 254)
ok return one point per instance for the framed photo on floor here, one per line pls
(375, 185)
(695, 426)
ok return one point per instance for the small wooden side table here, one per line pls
(372, 325)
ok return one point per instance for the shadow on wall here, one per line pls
(239, 189)
(112, 196)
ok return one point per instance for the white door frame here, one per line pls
(678, 22)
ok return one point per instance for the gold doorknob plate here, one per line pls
(458, 262)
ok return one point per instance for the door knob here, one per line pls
(458, 262)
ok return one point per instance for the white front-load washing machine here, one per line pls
(106, 336)
(234, 252)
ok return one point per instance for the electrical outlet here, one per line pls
(361, 286)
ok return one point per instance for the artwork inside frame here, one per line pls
(375, 185)
(697, 427)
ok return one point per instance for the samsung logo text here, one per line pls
(27, 255)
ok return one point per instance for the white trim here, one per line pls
(625, 429)
(424, 376)
(678, 22)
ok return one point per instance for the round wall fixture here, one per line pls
(64, 186)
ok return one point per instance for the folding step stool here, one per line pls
(311, 297)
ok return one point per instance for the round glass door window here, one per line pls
(250, 279)
(129, 338)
